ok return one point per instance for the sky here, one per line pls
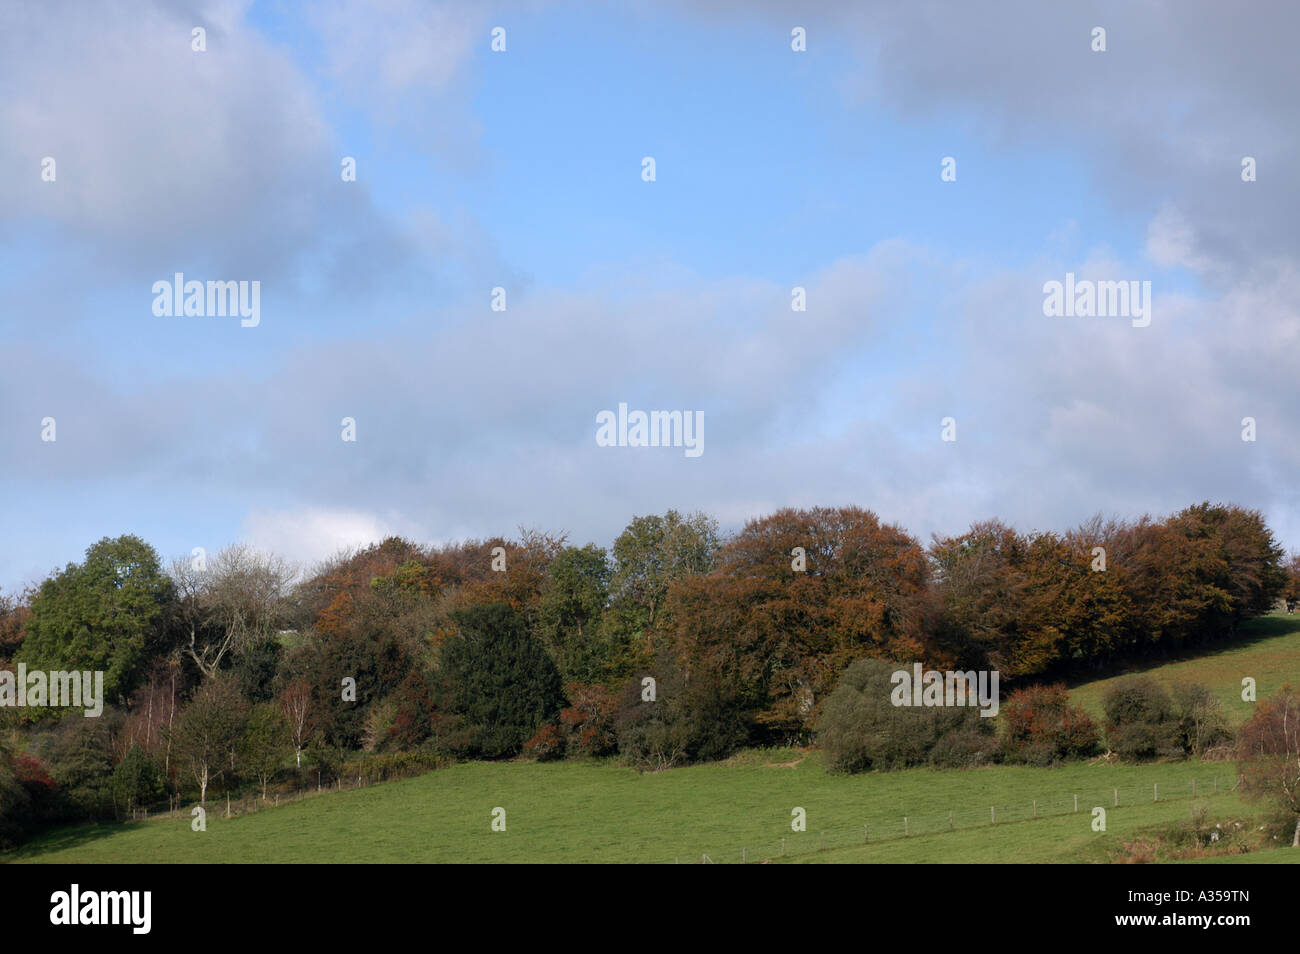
(523, 169)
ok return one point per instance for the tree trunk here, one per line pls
(1295, 840)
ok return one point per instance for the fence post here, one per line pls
(1117, 798)
(864, 834)
(950, 819)
(1216, 785)
(782, 846)
(906, 832)
(1155, 792)
(1035, 808)
(993, 817)
(1076, 803)
(823, 847)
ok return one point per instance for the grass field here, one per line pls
(741, 809)
(601, 812)
(1268, 650)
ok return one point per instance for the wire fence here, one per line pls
(888, 829)
(225, 805)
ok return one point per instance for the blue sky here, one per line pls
(522, 169)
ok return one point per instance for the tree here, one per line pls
(136, 780)
(208, 731)
(1291, 592)
(1247, 561)
(80, 762)
(413, 718)
(653, 552)
(232, 606)
(299, 714)
(374, 659)
(264, 743)
(573, 601)
(13, 620)
(106, 613)
(499, 679)
(778, 635)
(1268, 754)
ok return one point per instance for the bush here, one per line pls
(697, 722)
(547, 743)
(27, 796)
(965, 748)
(1201, 723)
(413, 719)
(860, 728)
(1040, 727)
(391, 765)
(588, 720)
(1140, 721)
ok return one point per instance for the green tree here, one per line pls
(208, 730)
(653, 552)
(498, 679)
(264, 744)
(106, 613)
(574, 597)
(136, 780)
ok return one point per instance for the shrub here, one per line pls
(696, 722)
(588, 720)
(27, 796)
(1040, 727)
(1201, 723)
(965, 748)
(1140, 722)
(413, 719)
(860, 728)
(547, 743)
(391, 765)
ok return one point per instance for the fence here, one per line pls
(970, 816)
(224, 806)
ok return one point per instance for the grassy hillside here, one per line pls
(602, 812)
(564, 812)
(1267, 650)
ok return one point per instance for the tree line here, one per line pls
(675, 644)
